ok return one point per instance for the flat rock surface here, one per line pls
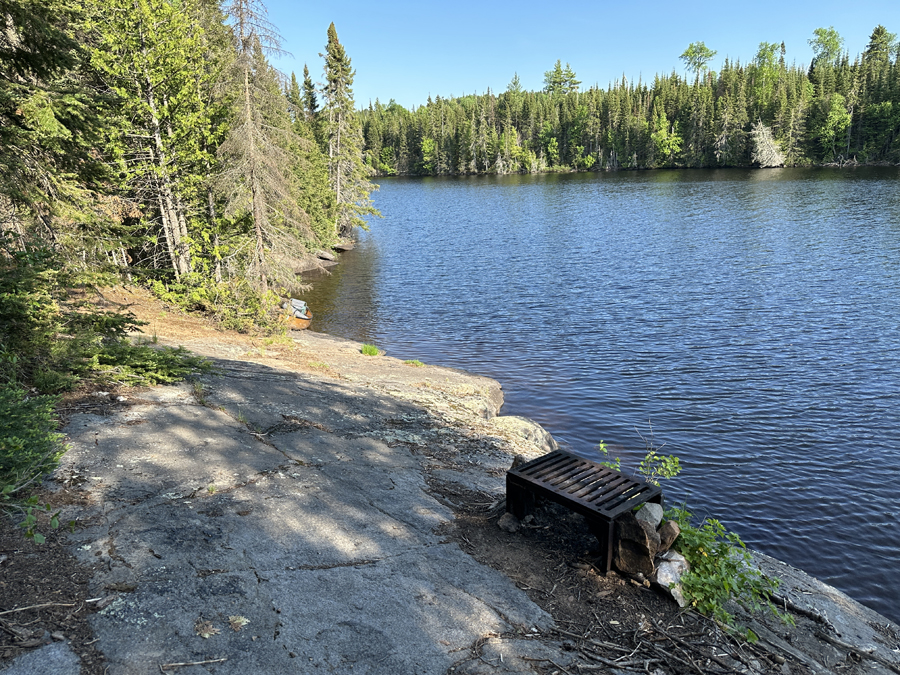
(305, 508)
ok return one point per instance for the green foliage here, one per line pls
(236, 303)
(369, 350)
(655, 466)
(29, 444)
(560, 80)
(29, 448)
(614, 464)
(49, 346)
(721, 570)
(696, 56)
(415, 363)
(704, 119)
(826, 44)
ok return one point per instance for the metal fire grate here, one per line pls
(597, 492)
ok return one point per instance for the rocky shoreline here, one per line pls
(306, 508)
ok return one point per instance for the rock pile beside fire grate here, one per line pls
(643, 550)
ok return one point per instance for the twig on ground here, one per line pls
(46, 604)
(163, 667)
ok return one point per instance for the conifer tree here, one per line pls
(257, 178)
(348, 172)
(48, 116)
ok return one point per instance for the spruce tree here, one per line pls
(257, 178)
(48, 115)
(347, 171)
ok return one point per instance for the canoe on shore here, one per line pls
(299, 316)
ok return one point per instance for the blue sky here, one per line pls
(408, 50)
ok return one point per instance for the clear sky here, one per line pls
(407, 50)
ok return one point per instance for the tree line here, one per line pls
(153, 138)
(762, 113)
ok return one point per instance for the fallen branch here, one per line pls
(822, 635)
(790, 605)
(46, 604)
(684, 643)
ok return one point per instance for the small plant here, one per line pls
(370, 350)
(318, 365)
(415, 363)
(211, 488)
(721, 570)
(199, 392)
(655, 466)
(614, 464)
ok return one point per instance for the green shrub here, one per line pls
(370, 350)
(48, 349)
(721, 568)
(415, 363)
(29, 448)
(721, 571)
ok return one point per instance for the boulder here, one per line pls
(669, 570)
(668, 533)
(526, 429)
(325, 255)
(636, 545)
(652, 514)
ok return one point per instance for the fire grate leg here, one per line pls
(520, 501)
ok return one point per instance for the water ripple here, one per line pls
(751, 315)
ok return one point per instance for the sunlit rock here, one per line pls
(668, 533)
(671, 566)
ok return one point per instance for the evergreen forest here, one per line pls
(763, 113)
(153, 139)
(152, 142)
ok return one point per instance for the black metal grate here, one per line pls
(589, 488)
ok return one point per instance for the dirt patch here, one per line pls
(607, 619)
(44, 594)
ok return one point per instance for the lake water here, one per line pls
(752, 317)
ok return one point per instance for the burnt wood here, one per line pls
(595, 491)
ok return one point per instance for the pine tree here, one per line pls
(348, 172)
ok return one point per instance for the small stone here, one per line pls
(668, 574)
(650, 513)
(292, 655)
(518, 461)
(58, 636)
(668, 533)
(508, 523)
(528, 520)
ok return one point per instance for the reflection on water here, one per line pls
(751, 315)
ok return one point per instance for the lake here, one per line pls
(749, 317)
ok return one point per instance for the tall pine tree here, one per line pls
(347, 171)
